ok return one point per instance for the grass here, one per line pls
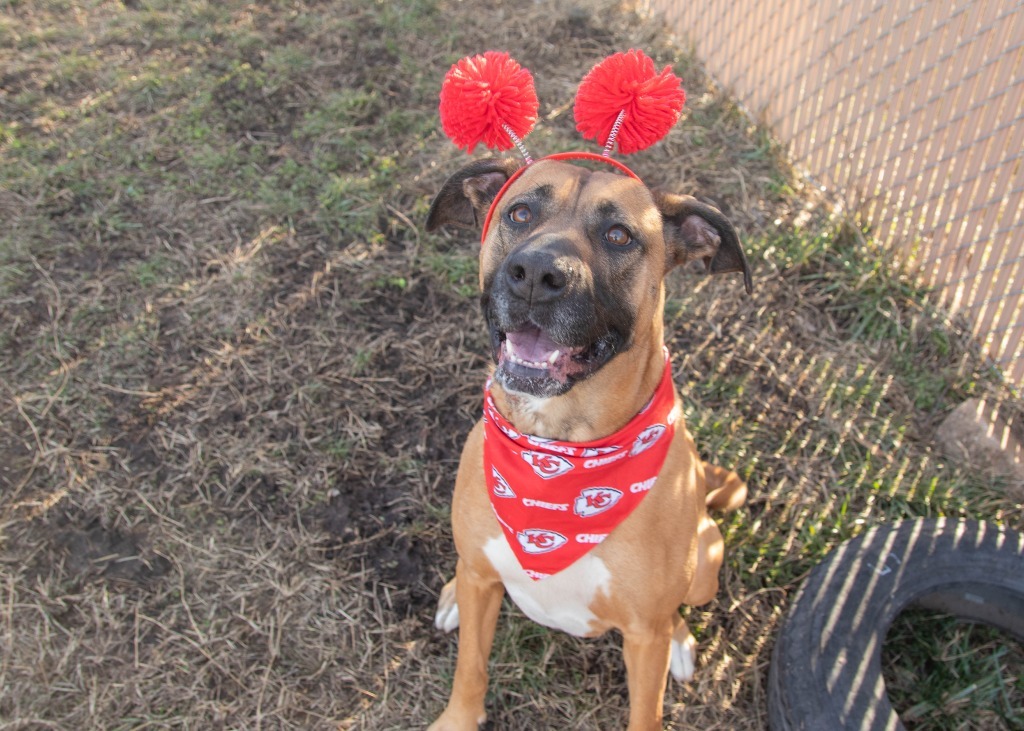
(951, 676)
(237, 375)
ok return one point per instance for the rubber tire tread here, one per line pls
(826, 668)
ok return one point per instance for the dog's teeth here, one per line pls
(528, 363)
(537, 364)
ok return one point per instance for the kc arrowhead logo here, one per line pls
(547, 465)
(538, 540)
(647, 439)
(501, 486)
(595, 500)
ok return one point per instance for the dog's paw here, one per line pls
(684, 654)
(447, 616)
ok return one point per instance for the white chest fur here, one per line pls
(561, 601)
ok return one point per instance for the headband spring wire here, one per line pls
(518, 143)
(613, 134)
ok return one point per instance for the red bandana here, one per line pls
(557, 500)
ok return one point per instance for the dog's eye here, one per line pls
(520, 214)
(617, 235)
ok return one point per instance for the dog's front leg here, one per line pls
(647, 652)
(479, 600)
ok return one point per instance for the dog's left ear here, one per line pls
(694, 230)
(465, 197)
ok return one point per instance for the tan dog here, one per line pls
(576, 259)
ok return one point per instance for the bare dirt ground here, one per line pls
(236, 372)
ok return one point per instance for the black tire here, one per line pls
(826, 669)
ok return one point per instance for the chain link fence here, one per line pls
(910, 112)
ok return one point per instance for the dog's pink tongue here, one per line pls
(532, 345)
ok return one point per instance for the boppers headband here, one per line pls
(490, 99)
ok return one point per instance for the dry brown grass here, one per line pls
(236, 373)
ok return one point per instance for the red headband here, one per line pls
(557, 156)
(490, 98)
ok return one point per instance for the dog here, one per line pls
(572, 270)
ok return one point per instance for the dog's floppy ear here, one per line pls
(694, 230)
(466, 195)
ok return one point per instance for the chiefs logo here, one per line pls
(547, 465)
(594, 500)
(538, 540)
(501, 486)
(647, 439)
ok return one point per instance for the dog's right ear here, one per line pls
(465, 196)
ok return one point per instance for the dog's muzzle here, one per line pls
(548, 330)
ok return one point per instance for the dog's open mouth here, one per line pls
(529, 360)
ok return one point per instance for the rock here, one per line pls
(975, 433)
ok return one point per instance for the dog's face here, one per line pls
(572, 267)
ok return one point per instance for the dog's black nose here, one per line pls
(537, 275)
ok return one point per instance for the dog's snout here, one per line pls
(538, 275)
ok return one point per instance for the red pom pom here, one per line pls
(628, 81)
(480, 93)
